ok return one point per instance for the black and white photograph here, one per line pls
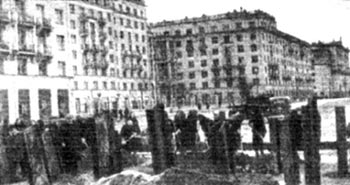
(163, 92)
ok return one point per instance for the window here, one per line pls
(110, 32)
(215, 51)
(72, 9)
(226, 27)
(75, 70)
(204, 74)
(213, 28)
(255, 70)
(76, 86)
(139, 86)
(251, 24)
(121, 34)
(73, 39)
(190, 64)
(203, 63)
(256, 81)
(135, 12)
(95, 84)
(179, 54)
(104, 85)
(179, 76)
(216, 62)
(205, 85)
(77, 105)
(240, 60)
(136, 37)
(43, 68)
(229, 83)
(178, 32)
(136, 25)
(2, 66)
(253, 36)
(238, 25)
(110, 43)
(74, 54)
(226, 39)
(144, 50)
(203, 52)
(86, 71)
(201, 29)
(214, 40)
(178, 44)
(62, 68)
(189, 32)
(111, 58)
(217, 84)
(128, 23)
(59, 16)
(240, 48)
(192, 75)
(239, 37)
(142, 26)
(121, 20)
(253, 47)
(143, 38)
(132, 86)
(113, 85)
(60, 42)
(192, 86)
(112, 72)
(255, 59)
(72, 24)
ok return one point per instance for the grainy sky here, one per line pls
(310, 20)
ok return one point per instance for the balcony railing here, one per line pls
(44, 54)
(4, 16)
(215, 68)
(26, 20)
(132, 54)
(132, 67)
(83, 32)
(43, 26)
(101, 21)
(4, 47)
(26, 49)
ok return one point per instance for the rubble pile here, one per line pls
(177, 176)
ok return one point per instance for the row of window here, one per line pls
(112, 86)
(217, 84)
(135, 12)
(191, 64)
(215, 51)
(226, 38)
(214, 28)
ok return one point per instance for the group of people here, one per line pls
(219, 137)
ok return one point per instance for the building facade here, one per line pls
(59, 57)
(213, 59)
(332, 72)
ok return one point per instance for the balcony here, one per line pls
(4, 47)
(216, 68)
(26, 49)
(101, 22)
(102, 64)
(83, 18)
(83, 32)
(44, 54)
(43, 26)
(102, 36)
(26, 20)
(132, 54)
(135, 67)
(4, 17)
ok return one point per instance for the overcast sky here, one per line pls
(310, 20)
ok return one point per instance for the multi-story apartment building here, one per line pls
(211, 59)
(332, 70)
(58, 57)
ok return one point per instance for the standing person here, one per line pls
(233, 136)
(135, 122)
(168, 130)
(129, 135)
(121, 116)
(199, 105)
(179, 120)
(259, 131)
(208, 105)
(126, 113)
(190, 130)
(71, 145)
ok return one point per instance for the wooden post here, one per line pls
(289, 154)
(341, 141)
(155, 118)
(312, 135)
